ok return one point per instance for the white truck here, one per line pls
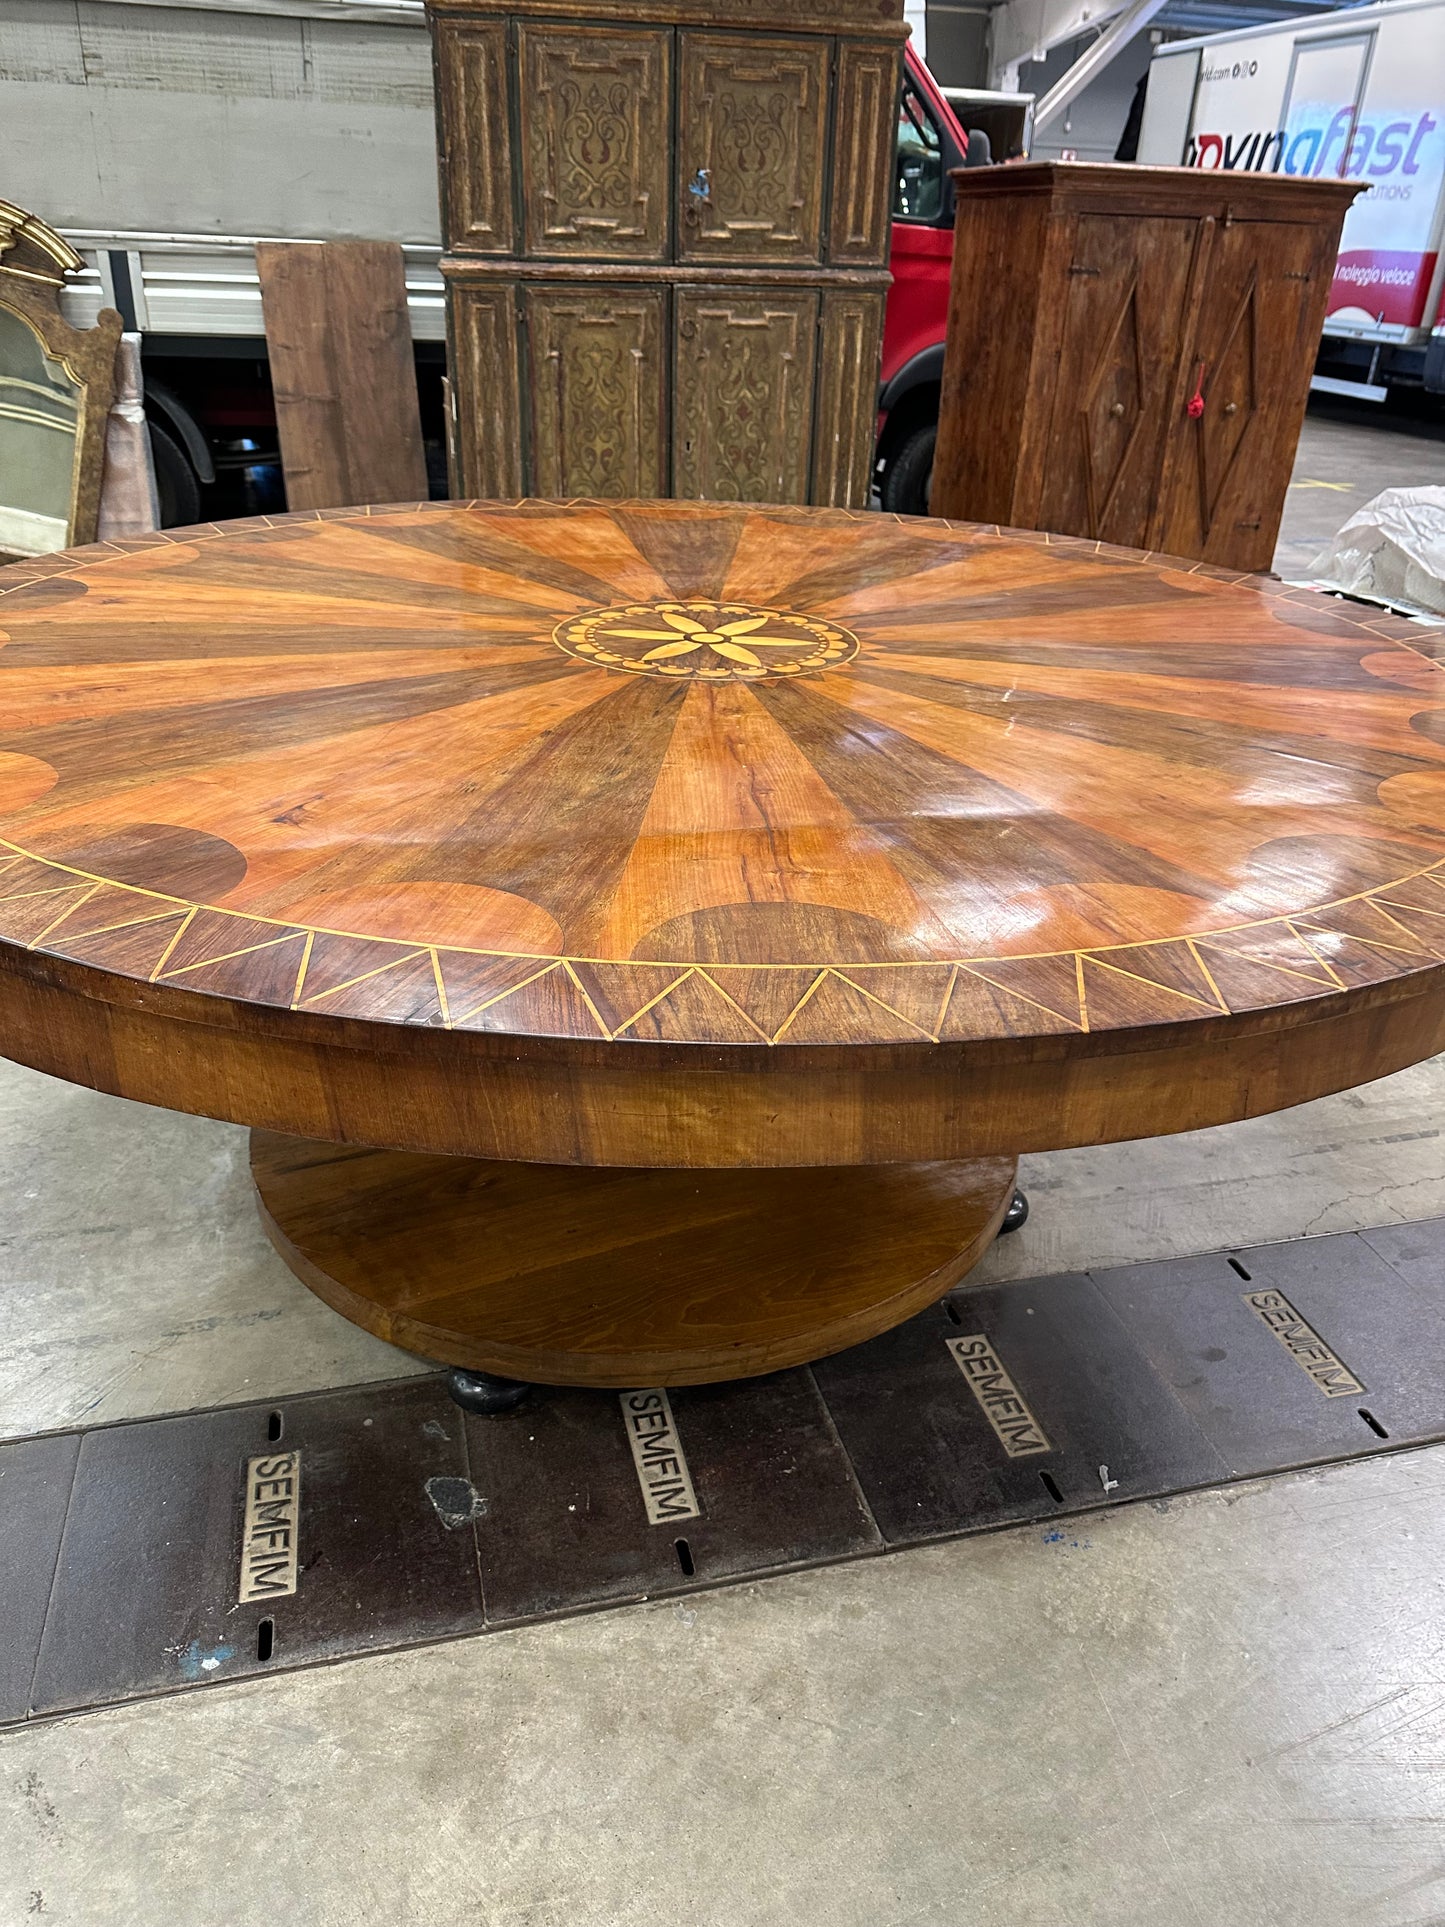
(1360, 94)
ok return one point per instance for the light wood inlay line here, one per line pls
(653, 1002)
(441, 989)
(795, 1012)
(68, 911)
(366, 976)
(176, 935)
(500, 996)
(971, 803)
(1314, 949)
(1207, 974)
(302, 968)
(226, 956)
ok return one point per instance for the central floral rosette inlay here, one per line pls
(710, 641)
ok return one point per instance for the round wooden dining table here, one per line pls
(643, 936)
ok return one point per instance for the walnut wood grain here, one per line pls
(405, 828)
(338, 339)
(621, 1278)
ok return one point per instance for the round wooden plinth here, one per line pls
(569, 1276)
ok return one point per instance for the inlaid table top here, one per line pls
(745, 779)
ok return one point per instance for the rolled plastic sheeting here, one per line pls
(1392, 551)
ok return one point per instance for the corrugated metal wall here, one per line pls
(170, 119)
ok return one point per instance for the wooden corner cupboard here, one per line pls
(1130, 351)
(642, 936)
(666, 240)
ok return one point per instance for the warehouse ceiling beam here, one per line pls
(1094, 59)
(1024, 30)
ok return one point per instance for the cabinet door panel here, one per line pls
(1128, 282)
(847, 405)
(744, 395)
(484, 390)
(864, 144)
(597, 391)
(1226, 487)
(476, 162)
(750, 148)
(596, 111)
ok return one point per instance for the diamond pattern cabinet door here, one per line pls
(1219, 494)
(596, 111)
(475, 144)
(597, 391)
(1126, 283)
(751, 123)
(744, 387)
(484, 354)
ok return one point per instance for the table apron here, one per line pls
(783, 1112)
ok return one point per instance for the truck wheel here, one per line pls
(909, 476)
(177, 485)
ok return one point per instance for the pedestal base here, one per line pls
(567, 1276)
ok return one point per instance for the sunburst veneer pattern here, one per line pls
(354, 764)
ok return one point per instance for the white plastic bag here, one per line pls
(1392, 551)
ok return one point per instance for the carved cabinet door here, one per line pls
(752, 115)
(865, 143)
(488, 433)
(597, 388)
(1128, 284)
(744, 385)
(596, 131)
(1251, 329)
(474, 139)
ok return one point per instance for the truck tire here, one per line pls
(909, 475)
(177, 485)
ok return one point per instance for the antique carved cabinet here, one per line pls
(666, 234)
(1130, 350)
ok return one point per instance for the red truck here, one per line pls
(930, 142)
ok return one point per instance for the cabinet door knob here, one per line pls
(1117, 409)
(1231, 408)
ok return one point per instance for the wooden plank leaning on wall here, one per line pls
(339, 340)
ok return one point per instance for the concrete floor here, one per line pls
(1223, 1711)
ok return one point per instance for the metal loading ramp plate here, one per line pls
(164, 1555)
